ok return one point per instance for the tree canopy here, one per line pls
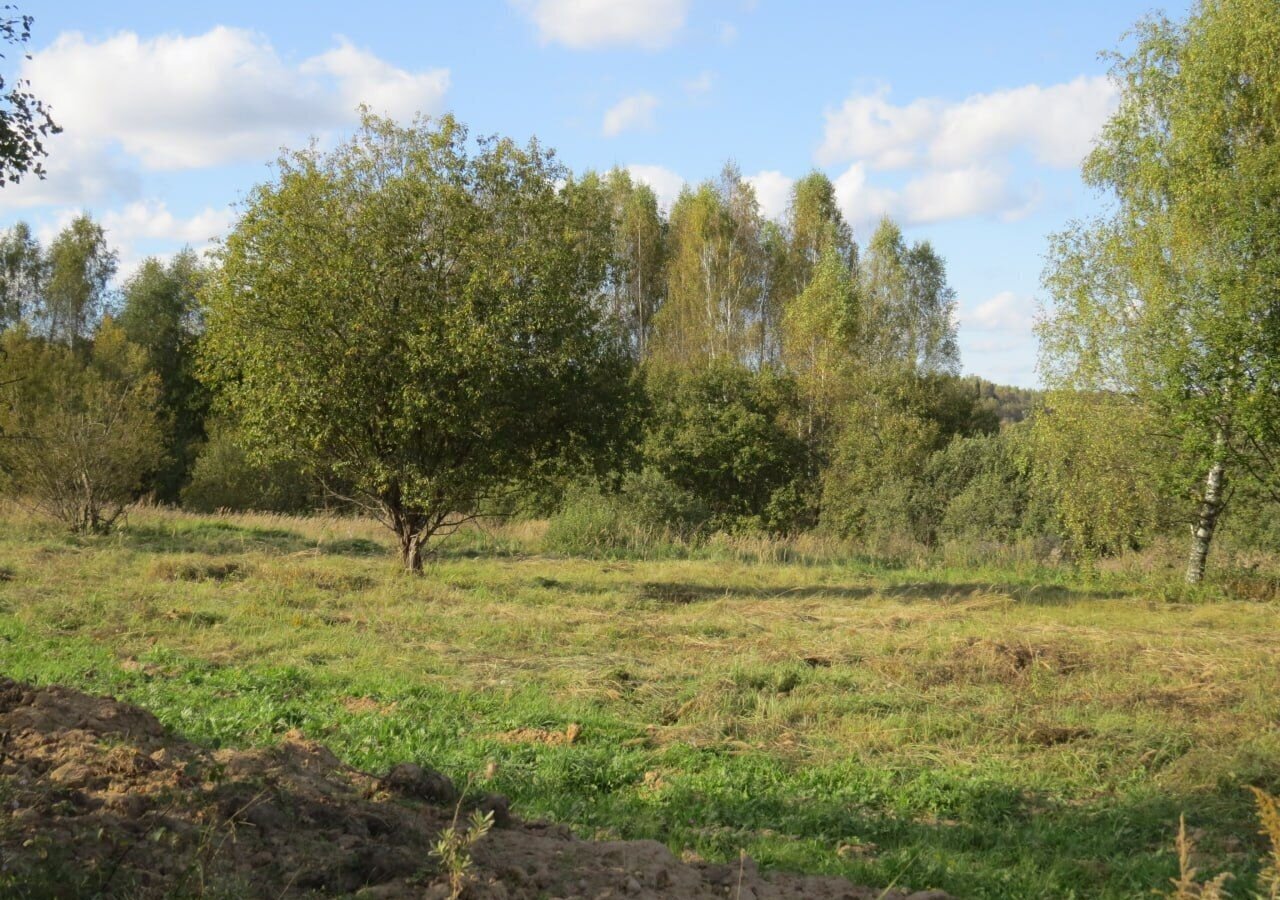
(1172, 300)
(413, 314)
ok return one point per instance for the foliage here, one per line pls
(25, 122)
(722, 435)
(1095, 465)
(79, 268)
(22, 275)
(453, 849)
(886, 436)
(979, 487)
(161, 314)
(225, 476)
(414, 318)
(79, 434)
(715, 276)
(1170, 299)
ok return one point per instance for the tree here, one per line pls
(24, 120)
(80, 266)
(715, 275)
(161, 314)
(411, 315)
(634, 280)
(720, 433)
(80, 432)
(908, 309)
(820, 330)
(1171, 301)
(22, 274)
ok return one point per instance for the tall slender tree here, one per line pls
(80, 266)
(22, 275)
(1173, 299)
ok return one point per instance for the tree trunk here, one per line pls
(411, 552)
(1210, 509)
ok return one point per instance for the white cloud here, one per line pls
(701, 85)
(1057, 124)
(957, 194)
(80, 171)
(178, 102)
(932, 196)
(587, 24)
(1005, 312)
(861, 202)
(364, 78)
(665, 183)
(151, 219)
(773, 191)
(629, 114)
(869, 129)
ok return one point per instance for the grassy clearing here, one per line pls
(996, 732)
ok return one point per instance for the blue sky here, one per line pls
(965, 121)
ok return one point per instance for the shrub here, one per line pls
(81, 428)
(226, 477)
(721, 438)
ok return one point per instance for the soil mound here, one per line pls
(99, 800)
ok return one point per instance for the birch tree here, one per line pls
(1170, 300)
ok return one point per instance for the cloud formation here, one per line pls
(1057, 124)
(630, 114)
(591, 24)
(666, 184)
(177, 102)
(957, 159)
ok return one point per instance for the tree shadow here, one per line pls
(217, 538)
(940, 592)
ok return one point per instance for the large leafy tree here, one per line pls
(25, 122)
(1172, 301)
(716, 276)
(413, 315)
(22, 272)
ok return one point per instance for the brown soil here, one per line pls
(99, 800)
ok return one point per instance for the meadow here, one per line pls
(983, 724)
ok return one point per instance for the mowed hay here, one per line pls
(976, 660)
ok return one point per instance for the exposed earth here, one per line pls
(100, 800)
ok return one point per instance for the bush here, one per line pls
(591, 522)
(81, 429)
(980, 487)
(720, 445)
(225, 477)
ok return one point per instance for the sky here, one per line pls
(965, 122)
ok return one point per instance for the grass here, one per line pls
(995, 731)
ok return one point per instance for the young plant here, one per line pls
(453, 848)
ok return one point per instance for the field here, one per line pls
(992, 731)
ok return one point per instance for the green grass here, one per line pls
(995, 732)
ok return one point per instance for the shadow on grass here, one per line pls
(216, 538)
(681, 593)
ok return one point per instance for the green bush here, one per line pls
(225, 477)
(591, 522)
(721, 436)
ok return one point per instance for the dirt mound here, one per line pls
(100, 801)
